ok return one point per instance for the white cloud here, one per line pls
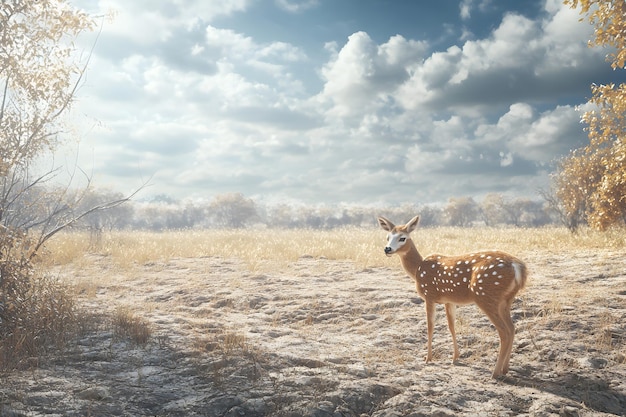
(554, 132)
(362, 75)
(465, 9)
(271, 58)
(519, 114)
(522, 57)
(535, 136)
(282, 51)
(564, 39)
(228, 42)
(297, 6)
(517, 119)
(437, 70)
(507, 159)
(143, 22)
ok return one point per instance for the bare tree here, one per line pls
(233, 210)
(491, 209)
(555, 205)
(40, 73)
(429, 216)
(461, 211)
(38, 80)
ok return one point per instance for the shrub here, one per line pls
(36, 311)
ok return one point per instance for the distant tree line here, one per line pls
(234, 210)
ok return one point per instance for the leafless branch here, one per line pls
(4, 99)
(101, 207)
(81, 75)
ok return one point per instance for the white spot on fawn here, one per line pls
(518, 272)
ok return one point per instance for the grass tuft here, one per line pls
(126, 324)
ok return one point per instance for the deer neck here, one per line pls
(411, 259)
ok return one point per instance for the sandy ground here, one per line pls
(325, 338)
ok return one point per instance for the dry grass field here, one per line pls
(321, 323)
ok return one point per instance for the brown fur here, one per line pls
(489, 279)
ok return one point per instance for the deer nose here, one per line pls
(388, 249)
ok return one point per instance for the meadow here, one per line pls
(279, 247)
(258, 322)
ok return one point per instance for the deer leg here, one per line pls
(451, 314)
(430, 324)
(505, 331)
(508, 321)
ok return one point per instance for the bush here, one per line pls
(36, 312)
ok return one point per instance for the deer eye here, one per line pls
(402, 239)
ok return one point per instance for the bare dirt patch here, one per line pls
(328, 338)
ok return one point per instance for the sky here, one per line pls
(332, 101)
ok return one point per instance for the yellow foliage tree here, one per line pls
(593, 179)
(38, 75)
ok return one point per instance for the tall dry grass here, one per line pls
(261, 248)
(43, 319)
(37, 312)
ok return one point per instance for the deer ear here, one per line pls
(412, 224)
(385, 223)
